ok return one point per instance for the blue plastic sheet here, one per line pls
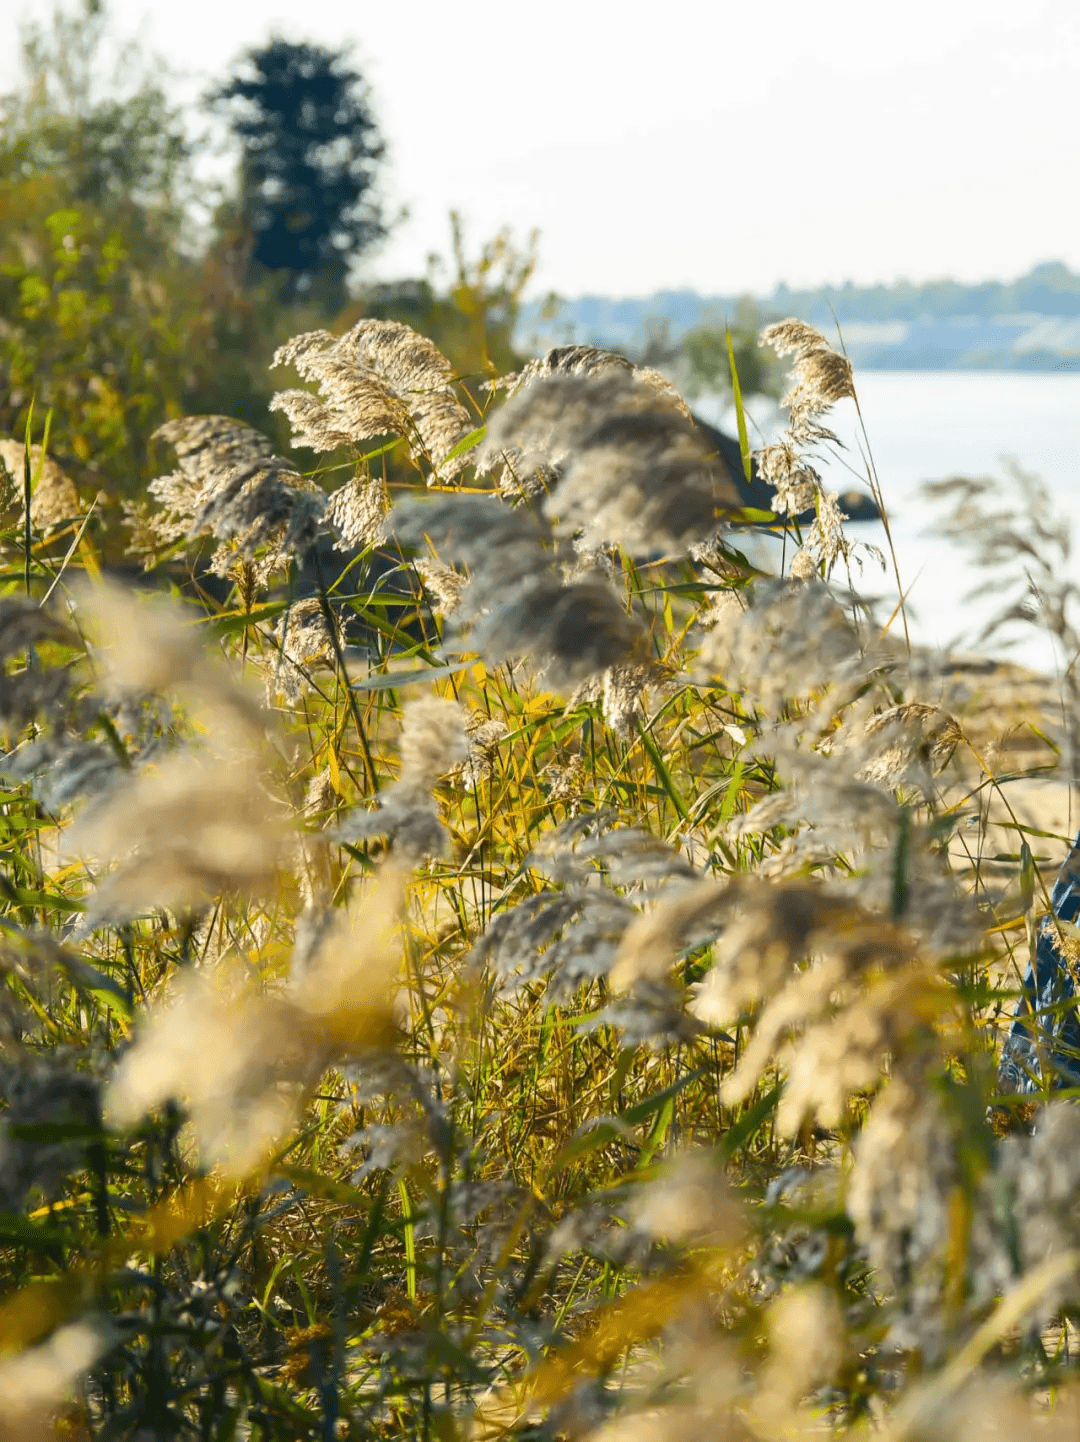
(1042, 1050)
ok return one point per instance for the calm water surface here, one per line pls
(925, 425)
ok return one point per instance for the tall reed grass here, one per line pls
(481, 960)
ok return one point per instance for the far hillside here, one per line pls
(1031, 323)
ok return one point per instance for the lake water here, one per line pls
(926, 425)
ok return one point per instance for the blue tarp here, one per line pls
(1042, 1050)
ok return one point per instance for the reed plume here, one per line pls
(427, 1054)
(54, 498)
(380, 378)
(821, 376)
(433, 743)
(232, 486)
(515, 600)
(615, 453)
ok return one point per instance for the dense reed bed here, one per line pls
(479, 959)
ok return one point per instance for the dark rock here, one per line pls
(856, 505)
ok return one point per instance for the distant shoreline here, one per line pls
(1028, 324)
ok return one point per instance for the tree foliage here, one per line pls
(103, 318)
(117, 311)
(698, 360)
(107, 132)
(474, 314)
(310, 147)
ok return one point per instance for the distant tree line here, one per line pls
(1047, 289)
(668, 317)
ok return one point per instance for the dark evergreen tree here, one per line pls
(310, 149)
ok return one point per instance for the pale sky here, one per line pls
(698, 143)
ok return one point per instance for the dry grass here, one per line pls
(554, 997)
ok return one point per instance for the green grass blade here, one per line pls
(750, 1123)
(466, 444)
(740, 413)
(663, 774)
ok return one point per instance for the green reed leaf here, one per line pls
(740, 413)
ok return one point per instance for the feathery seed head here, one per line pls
(825, 542)
(768, 928)
(407, 817)
(572, 631)
(618, 458)
(36, 1381)
(233, 1057)
(690, 1202)
(790, 641)
(806, 1339)
(571, 940)
(444, 585)
(149, 645)
(297, 351)
(62, 771)
(313, 424)
(904, 745)
(272, 506)
(54, 498)
(484, 733)
(515, 597)
(565, 781)
(358, 406)
(232, 486)
(303, 640)
(629, 856)
(821, 375)
(623, 695)
(792, 336)
(433, 740)
(301, 631)
(643, 480)
(587, 360)
(433, 743)
(208, 446)
(794, 481)
(179, 834)
(379, 378)
(900, 1198)
(142, 643)
(408, 361)
(652, 945)
(357, 513)
(504, 547)
(241, 1058)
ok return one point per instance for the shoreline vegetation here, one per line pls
(481, 960)
(500, 938)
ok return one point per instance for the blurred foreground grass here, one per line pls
(520, 972)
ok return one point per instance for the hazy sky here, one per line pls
(698, 143)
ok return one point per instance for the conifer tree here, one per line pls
(310, 148)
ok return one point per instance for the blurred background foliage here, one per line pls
(102, 314)
(130, 294)
(309, 153)
(698, 363)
